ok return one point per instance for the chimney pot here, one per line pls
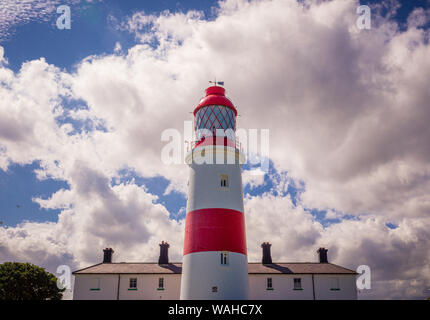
(164, 253)
(267, 257)
(323, 255)
(107, 255)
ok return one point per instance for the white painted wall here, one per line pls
(204, 189)
(84, 283)
(203, 271)
(283, 285)
(347, 286)
(147, 287)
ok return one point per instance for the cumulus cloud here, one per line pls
(166, 28)
(124, 216)
(253, 178)
(347, 112)
(418, 17)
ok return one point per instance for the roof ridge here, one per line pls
(342, 267)
(87, 267)
(249, 262)
(253, 268)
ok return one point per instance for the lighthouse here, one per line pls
(215, 264)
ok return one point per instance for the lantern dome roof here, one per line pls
(215, 95)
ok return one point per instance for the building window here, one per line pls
(95, 284)
(224, 258)
(214, 289)
(160, 283)
(224, 180)
(133, 283)
(335, 284)
(269, 284)
(298, 284)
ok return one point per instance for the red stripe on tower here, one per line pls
(215, 229)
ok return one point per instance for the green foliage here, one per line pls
(25, 281)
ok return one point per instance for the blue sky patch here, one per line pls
(391, 225)
(18, 185)
(93, 31)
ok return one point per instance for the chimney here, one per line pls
(323, 255)
(267, 258)
(164, 253)
(107, 256)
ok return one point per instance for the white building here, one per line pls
(149, 281)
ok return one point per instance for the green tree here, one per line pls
(25, 281)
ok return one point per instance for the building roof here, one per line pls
(130, 267)
(298, 268)
(253, 268)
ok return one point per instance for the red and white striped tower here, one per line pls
(215, 264)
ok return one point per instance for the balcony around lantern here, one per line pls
(218, 143)
(215, 141)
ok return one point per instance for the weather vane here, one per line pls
(221, 83)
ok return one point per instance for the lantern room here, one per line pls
(215, 112)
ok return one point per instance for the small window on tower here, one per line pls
(160, 283)
(224, 258)
(214, 289)
(224, 180)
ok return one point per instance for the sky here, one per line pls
(82, 112)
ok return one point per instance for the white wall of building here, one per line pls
(147, 287)
(282, 284)
(86, 286)
(325, 285)
(334, 287)
(229, 283)
(283, 287)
